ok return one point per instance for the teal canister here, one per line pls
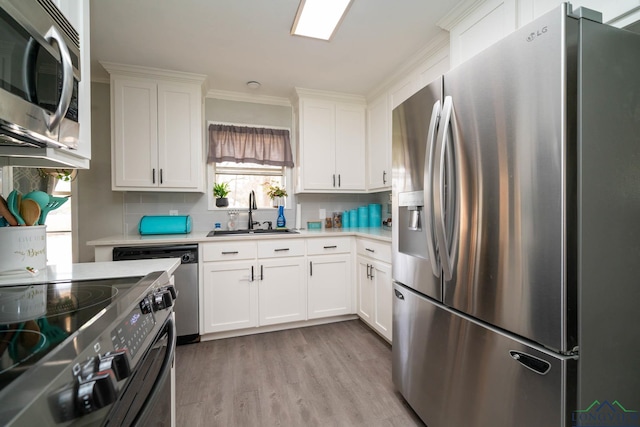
(346, 219)
(363, 216)
(375, 214)
(353, 218)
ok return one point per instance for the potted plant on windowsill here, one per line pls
(220, 191)
(277, 195)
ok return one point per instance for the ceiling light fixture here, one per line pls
(253, 84)
(319, 19)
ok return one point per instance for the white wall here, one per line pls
(99, 209)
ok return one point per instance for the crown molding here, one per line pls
(147, 72)
(299, 92)
(458, 13)
(100, 80)
(246, 97)
(436, 46)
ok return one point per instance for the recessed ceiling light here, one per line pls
(253, 84)
(319, 18)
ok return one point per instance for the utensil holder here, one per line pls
(23, 246)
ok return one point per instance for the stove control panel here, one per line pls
(131, 333)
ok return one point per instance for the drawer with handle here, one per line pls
(228, 251)
(374, 249)
(328, 245)
(280, 248)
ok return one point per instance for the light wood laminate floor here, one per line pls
(330, 375)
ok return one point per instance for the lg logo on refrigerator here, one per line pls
(536, 34)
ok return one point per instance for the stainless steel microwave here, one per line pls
(39, 75)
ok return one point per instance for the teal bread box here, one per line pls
(165, 224)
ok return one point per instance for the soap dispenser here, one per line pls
(281, 221)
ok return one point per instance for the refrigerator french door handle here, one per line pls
(428, 187)
(439, 195)
(537, 365)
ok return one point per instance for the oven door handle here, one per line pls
(165, 371)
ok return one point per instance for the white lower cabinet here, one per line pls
(230, 297)
(249, 284)
(365, 292)
(229, 292)
(375, 287)
(282, 287)
(329, 283)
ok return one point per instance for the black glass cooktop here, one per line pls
(35, 319)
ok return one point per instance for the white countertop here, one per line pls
(94, 271)
(201, 237)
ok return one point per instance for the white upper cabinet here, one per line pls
(618, 13)
(157, 130)
(331, 142)
(474, 26)
(379, 144)
(433, 64)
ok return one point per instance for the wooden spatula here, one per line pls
(30, 211)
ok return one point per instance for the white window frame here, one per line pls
(211, 171)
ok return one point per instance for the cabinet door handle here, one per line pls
(369, 250)
(161, 176)
(153, 175)
(368, 274)
(334, 179)
(229, 252)
(281, 250)
(371, 274)
(261, 272)
(384, 177)
(330, 247)
(310, 268)
(338, 180)
(251, 280)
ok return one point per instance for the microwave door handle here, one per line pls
(28, 67)
(428, 186)
(439, 196)
(53, 35)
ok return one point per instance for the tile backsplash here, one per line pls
(138, 204)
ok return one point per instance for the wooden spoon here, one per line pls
(30, 211)
(5, 213)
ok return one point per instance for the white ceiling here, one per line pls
(235, 41)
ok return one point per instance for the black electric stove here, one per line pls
(67, 349)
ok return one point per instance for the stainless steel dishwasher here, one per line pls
(186, 283)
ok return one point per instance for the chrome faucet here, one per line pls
(252, 206)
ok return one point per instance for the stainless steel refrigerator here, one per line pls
(516, 239)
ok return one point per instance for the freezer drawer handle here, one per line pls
(398, 294)
(538, 366)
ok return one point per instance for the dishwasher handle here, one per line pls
(188, 254)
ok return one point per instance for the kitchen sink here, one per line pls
(215, 233)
